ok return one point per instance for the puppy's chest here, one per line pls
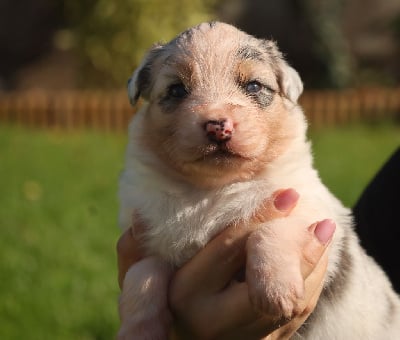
(178, 226)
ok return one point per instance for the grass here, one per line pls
(58, 232)
(348, 157)
(58, 229)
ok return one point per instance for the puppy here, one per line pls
(219, 131)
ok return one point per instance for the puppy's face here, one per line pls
(218, 104)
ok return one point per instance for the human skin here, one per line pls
(208, 303)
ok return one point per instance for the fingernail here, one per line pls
(324, 230)
(286, 199)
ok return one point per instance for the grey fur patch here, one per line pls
(391, 310)
(264, 98)
(336, 287)
(271, 48)
(170, 104)
(213, 24)
(143, 80)
(184, 36)
(250, 53)
(188, 34)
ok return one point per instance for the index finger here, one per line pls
(319, 236)
(239, 313)
(225, 253)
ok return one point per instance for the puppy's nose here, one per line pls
(219, 130)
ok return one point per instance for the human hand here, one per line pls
(205, 300)
(207, 304)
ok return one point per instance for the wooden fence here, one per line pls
(327, 108)
(67, 110)
(111, 111)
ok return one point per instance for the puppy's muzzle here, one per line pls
(219, 131)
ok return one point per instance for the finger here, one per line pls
(243, 321)
(316, 253)
(127, 254)
(257, 329)
(239, 310)
(315, 280)
(222, 313)
(313, 286)
(279, 205)
(225, 254)
(253, 326)
(320, 235)
(236, 307)
(211, 269)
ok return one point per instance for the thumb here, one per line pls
(321, 234)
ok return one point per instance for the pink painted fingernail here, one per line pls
(286, 199)
(324, 230)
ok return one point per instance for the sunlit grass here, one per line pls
(58, 231)
(348, 157)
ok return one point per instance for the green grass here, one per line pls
(348, 157)
(57, 234)
(58, 230)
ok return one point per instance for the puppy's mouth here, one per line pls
(218, 152)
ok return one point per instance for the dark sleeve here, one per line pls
(376, 223)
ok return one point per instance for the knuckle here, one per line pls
(298, 310)
(307, 310)
(231, 247)
(265, 213)
(311, 255)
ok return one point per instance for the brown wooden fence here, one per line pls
(111, 111)
(324, 108)
(67, 110)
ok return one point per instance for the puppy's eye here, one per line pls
(177, 91)
(253, 87)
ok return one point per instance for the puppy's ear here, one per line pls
(133, 86)
(140, 81)
(289, 82)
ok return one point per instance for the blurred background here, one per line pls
(63, 44)
(64, 112)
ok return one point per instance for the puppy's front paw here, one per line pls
(275, 292)
(273, 272)
(143, 306)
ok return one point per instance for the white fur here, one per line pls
(182, 218)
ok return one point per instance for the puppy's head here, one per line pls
(220, 105)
